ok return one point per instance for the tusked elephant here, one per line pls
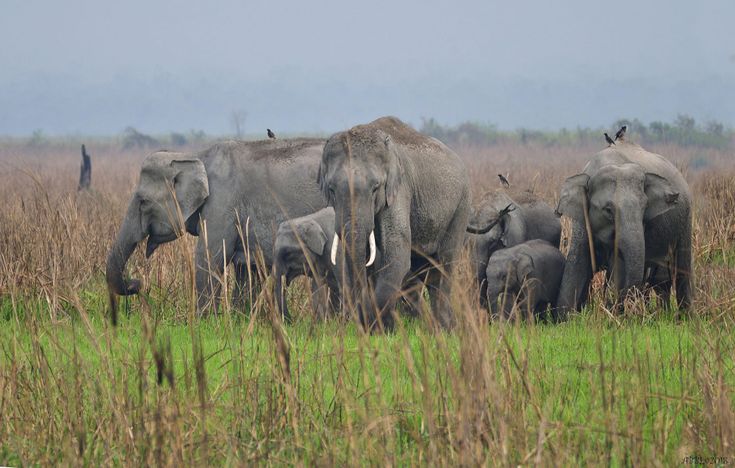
(527, 275)
(635, 206)
(303, 248)
(405, 195)
(516, 218)
(232, 195)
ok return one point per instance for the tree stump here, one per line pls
(85, 173)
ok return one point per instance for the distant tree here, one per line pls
(715, 128)
(133, 139)
(685, 122)
(177, 139)
(237, 120)
(197, 136)
(37, 138)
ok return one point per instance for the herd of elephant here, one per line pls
(379, 212)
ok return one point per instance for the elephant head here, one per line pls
(171, 189)
(496, 228)
(360, 176)
(616, 202)
(506, 275)
(297, 248)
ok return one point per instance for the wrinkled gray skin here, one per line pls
(231, 188)
(528, 274)
(302, 248)
(531, 218)
(413, 193)
(639, 201)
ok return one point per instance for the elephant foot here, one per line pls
(373, 322)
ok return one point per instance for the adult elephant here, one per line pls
(635, 208)
(231, 195)
(515, 218)
(403, 194)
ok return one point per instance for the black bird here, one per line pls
(271, 135)
(503, 180)
(609, 140)
(621, 133)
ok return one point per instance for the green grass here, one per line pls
(585, 391)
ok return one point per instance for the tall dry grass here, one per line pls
(164, 388)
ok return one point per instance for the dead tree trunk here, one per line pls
(85, 173)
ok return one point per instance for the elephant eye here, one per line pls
(609, 209)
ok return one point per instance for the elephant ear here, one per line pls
(661, 195)
(573, 194)
(524, 267)
(190, 185)
(395, 170)
(313, 236)
(505, 219)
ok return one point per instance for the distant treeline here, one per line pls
(683, 131)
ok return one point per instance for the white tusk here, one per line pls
(371, 241)
(333, 253)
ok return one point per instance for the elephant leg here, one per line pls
(577, 274)
(241, 289)
(439, 285)
(440, 281)
(320, 298)
(413, 287)
(210, 260)
(482, 286)
(387, 291)
(412, 298)
(683, 273)
(334, 296)
(660, 282)
(529, 298)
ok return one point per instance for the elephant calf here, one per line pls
(301, 249)
(528, 274)
(515, 218)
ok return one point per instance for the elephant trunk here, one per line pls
(632, 245)
(633, 261)
(127, 239)
(360, 249)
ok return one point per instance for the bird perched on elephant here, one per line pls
(232, 195)
(515, 218)
(302, 248)
(404, 194)
(526, 275)
(631, 216)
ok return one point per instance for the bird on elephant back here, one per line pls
(232, 196)
(405, 196)
(631, 216)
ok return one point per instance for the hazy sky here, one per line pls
(95, 66)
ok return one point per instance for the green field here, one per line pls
(157, 389)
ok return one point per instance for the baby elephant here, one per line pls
(301, 249)
(528, 274)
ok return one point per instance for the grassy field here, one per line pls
(647, 387)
